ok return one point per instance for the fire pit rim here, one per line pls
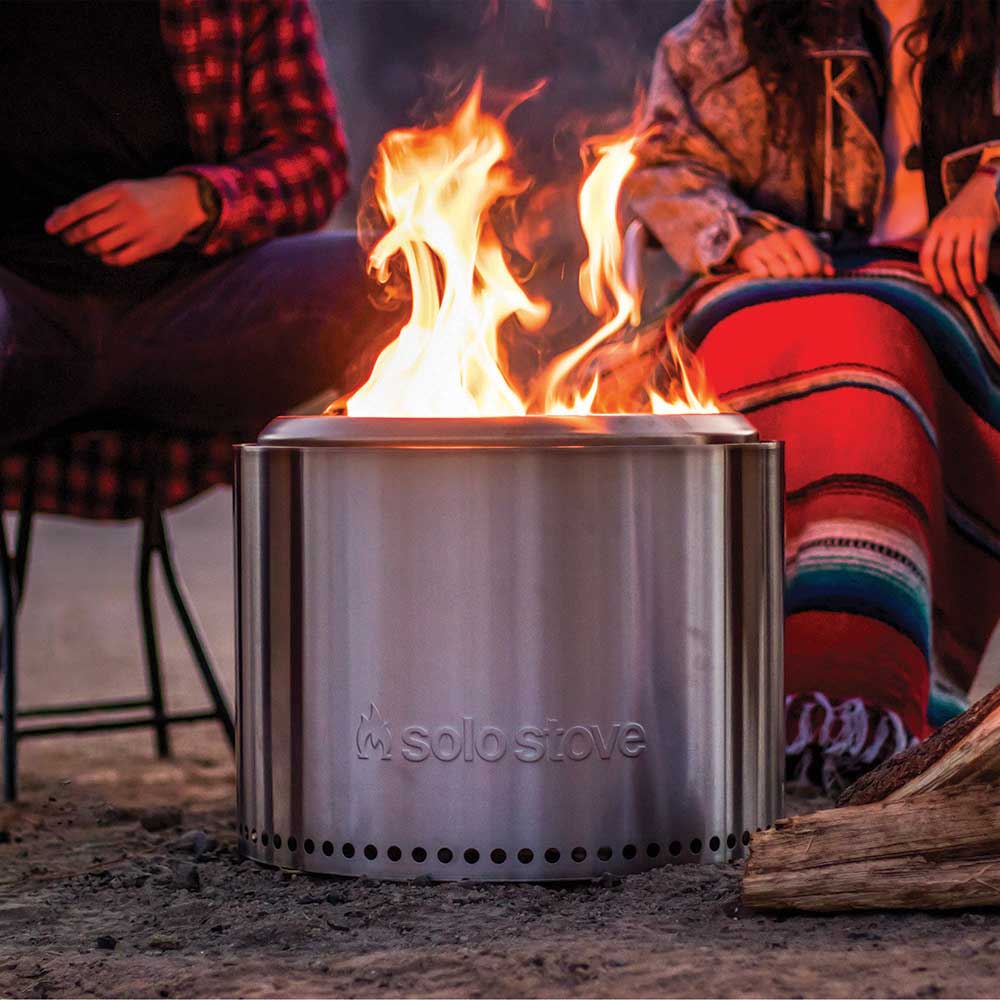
(542, 431)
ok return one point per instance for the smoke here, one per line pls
(399, 62)
(404, 62)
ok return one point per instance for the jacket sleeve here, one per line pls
(959, 166)
(295, 167)
(699, 146)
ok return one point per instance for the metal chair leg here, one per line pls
(152, 541)
(22, 545)
(195, 640)
(8, 668)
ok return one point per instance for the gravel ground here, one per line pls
(119, 876)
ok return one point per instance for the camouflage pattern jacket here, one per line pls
(708, 166)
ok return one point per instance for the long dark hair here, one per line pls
(954, 40)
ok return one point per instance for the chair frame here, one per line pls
(128, 713)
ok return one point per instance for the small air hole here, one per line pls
(348, 850)
(419, 855)
(731, 841)
(394, 853)
(264, 839)
(246, 831)
(675, 848)
(327, 848)
(696, 846)
(579, 854)
(746, 837)
(445, 855)
(371, 852)
(471, 856)
(308, 845)
(498, 856)
(525, 856)
(714, 844)
(292, 843)
(628, 852)
(552, 855)
(604, 853)
(653, 850)
(277, 841)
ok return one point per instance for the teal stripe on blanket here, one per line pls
(861, 590)
(943, 705)
(805, 387)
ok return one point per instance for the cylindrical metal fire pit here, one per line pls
(532, 648)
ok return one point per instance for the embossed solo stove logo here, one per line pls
(473, 741)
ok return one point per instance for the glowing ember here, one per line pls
(435, 188)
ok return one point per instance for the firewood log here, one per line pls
(937, 850)
(965, 749)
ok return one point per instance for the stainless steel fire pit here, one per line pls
(531, 648)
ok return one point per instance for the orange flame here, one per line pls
(602, 286)
(688, 391)
(435, 188)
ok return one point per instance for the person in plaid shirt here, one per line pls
(163, 164)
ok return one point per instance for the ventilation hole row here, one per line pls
(498, 855)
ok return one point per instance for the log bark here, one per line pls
(974, 740)
(940, 850)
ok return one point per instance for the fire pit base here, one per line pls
(529, 649)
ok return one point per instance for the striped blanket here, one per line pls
(888, 399)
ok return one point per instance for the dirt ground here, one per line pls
(92, 903)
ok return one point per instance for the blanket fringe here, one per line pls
(830, 745)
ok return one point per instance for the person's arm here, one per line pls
(683, 189)
(297, 171)
(287, 182)
(955, 254)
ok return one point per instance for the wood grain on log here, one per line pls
(973, 759)
(905, 767)
(939, 851)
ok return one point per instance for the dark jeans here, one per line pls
(223, 347)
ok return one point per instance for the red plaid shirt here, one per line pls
(261, 115)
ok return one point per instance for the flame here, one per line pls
(581, 403)
(436, 188)
(373, 734)
(602, 285)
(688, 391)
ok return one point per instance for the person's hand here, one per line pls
(785, 253)
(956, 250)
(127, 221)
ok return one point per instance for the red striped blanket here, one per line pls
(888, 400)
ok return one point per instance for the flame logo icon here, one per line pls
(374, 734)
